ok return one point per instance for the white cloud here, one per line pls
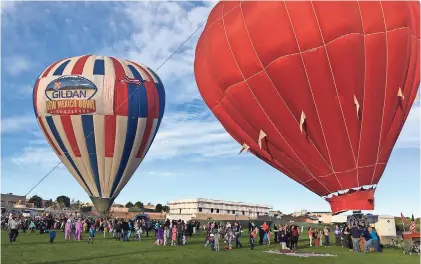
(160, 29)
(17, 123)
(7, 5)
(17, 64)
(191, 134)
(43, 156)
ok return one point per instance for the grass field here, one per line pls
(35, 248)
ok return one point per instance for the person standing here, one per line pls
(282, 237)
(261, 235)
(355, 235)
(347, 238)
(253, 235)
(180, 231)
(368, 240)
(275, 231)
(337, 236)
(14, 228)
(326, 234)
(310, 235)
(375, 238)
(294, 237)
(237, 232)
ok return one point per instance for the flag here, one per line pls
(130, 80)
(412, 226)
(403, 219)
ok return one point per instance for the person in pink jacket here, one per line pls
(78, 230)
(68, 230)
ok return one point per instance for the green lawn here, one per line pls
(35, 248)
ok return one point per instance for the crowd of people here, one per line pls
(177, 232)
(347, 236)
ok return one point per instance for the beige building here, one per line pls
(191, 208)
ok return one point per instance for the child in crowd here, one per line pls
(166, 234)
(91, 234)
(173, 235)
(139, 231)
(216, 238)
(253, 235)
(105, 231)
(52, 235)
(212, 241)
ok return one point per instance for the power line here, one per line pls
(162, 64)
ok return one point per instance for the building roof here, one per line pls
(220, 217)
(204, 200)
(10, 197)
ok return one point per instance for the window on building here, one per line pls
(233, 211)
(180, 211)
(244, 213)
(211, 210)
(200, 209)
(217, 211)
(228, 211)
(257, 213)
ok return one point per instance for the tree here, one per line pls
(36, 200)
(129, 205)
(138, 204)
(149, 204)
(63, 201)
(158, 208)
(49, 203)
(166, 208)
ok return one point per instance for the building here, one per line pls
(9, 200)
(215, 209)
(324, 217)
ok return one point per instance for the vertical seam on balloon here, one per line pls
(82, 147)
(274, 86)
(311, 90)
(229, 45)
(336, 88)
(404, 116)
(385, 92)
(363, 99)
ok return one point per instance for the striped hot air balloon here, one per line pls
(100, 115)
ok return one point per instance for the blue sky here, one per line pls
(192, 155)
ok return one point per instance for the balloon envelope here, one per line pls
(318, 90)
(100, 115)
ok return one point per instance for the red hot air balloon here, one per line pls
(100, 115)
(318, 90)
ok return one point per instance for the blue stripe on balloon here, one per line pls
(89, 133)
(99, 67)
(57, 137)
(132, 119)
(142, 94)
(60, 69)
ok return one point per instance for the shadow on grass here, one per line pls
(98, 257)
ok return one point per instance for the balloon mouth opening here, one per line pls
(361, 198)
(102, 205)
